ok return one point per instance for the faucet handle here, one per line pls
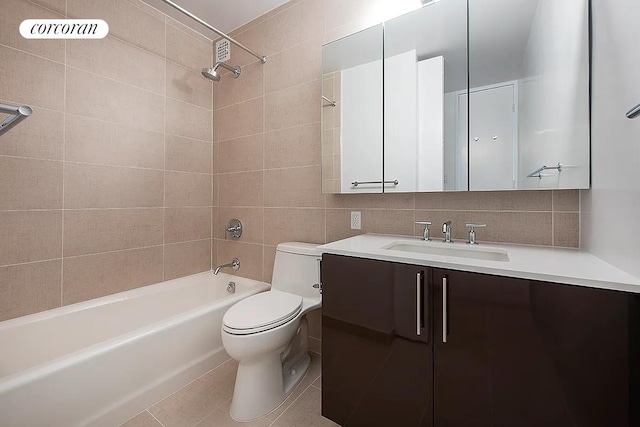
(234, 229)
(472, 226)
(427, 233)
(472, 232)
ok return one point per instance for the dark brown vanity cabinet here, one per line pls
(492, 351)
(377, 354)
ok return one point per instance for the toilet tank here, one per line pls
(297, 269)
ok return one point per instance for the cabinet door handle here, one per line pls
(444, 309)
(418, 301)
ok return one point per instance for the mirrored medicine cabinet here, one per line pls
(460, 95)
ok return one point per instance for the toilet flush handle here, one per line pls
(318, 286)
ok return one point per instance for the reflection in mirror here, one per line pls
(352, 113)
(529, 94)
(425, 69)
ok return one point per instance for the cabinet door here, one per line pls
(512, 352)
(376, 346)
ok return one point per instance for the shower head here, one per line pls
(212, 73)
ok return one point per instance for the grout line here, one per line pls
(241, 243)
(264, 127)
(105, 164)
(244, 101)
(314, 381)
(265, 95)
(171, 21)
(115, 80)
(64, 157)
(238, 137)
(553, 228)
(270, 131)
(30, 262)
(64, 14)
(188, 241)
(9, 156)
(98, 164)
(269, 169)
(103, 209)
(292, 402)
(101, 120)
(580, 219)
(188, 103)
(164, 157)
(119, 250)
(191, 382)
(154, 417)
(212, 250)
(190, 137)
(32, 54)
(113, 251)
(136, 87)
(34, 105)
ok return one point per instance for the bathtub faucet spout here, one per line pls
(235, 264)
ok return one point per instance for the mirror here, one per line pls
(529, 94)
(425, 70)
(510, 111)
(352, 113)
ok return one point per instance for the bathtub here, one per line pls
(100, 362)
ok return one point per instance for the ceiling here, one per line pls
(224, 15)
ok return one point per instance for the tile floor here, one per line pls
(205, 403)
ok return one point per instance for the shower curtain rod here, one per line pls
(262, 58)
(17, 114)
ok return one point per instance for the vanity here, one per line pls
(461, 95)
(418, 333)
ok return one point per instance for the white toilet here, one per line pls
(268, 333)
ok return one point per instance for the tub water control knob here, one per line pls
(231, 287)
(234, 229)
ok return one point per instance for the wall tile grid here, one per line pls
(268, 150)
(108, 186)
(109, 197)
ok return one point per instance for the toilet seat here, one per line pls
(261, 312)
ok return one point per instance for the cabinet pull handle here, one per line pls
(418, 301)
(444, 309)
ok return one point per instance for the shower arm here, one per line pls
(234, 70)
(262, 58)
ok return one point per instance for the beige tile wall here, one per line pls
(331, 179)
(268, 156)
(108, 186)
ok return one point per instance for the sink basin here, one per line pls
(443, 249)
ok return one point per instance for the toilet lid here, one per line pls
(262, 311)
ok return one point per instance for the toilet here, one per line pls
(268, 333)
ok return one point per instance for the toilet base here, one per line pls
(262, 385)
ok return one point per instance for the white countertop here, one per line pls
(569, 266)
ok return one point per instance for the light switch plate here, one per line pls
(356, 220)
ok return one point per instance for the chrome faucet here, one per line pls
(446, 230)
(472, 233)
(235, 264)
(426, 235)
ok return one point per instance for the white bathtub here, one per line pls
(100, 362)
